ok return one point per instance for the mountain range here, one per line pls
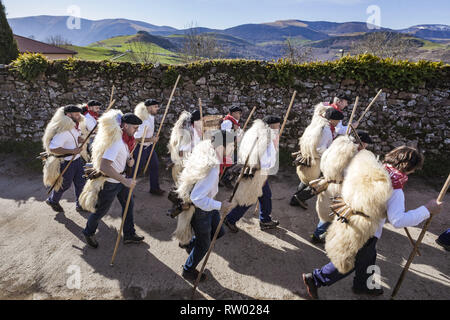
(259, 41)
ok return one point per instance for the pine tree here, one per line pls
(8, 46)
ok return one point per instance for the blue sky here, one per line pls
(223, 14)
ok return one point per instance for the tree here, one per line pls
(296, 54)
(8, 46)
(383, 45)
(58, 40)
(142, 52)
(200, 46)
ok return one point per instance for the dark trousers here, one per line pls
(153, 166)
(205, 224)
(445, 238)
(304, 192)
(265, 204)
(105, 199)
(366, 256)
(73, 174)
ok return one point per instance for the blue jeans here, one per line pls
(153, 166)
(105, 199)
(73, 174)
(265, 205)
(205, 225)
(321, 228)
(366, 256)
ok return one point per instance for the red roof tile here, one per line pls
(30, 45)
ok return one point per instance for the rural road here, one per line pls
(43, 255)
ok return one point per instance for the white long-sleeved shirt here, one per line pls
(204, 191)
(341, 129)
(150, 123)
(325, 141)
(90, 122)
(397, 215)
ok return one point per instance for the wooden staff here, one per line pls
(81, 147)
(129, 197)
(351, 117)
(419, 240)
(222, 218)
(248, 119)
(368, 107)
(411, 240)
(201, 115)
(281, 132)
(162, 122)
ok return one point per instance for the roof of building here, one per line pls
(30, 45)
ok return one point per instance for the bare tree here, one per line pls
(142, 52)
(383, 45)
(58, 40)
(200, 46)
(296, 54)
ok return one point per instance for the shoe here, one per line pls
(296, 202)
(133, 239)
(370, 292)
(158, 192)
(55, 206)
(193, 275)
(269, 225)
(81, 210)
(310, 286)
(445, 246)
(91, 241)
(185, 247)
(231, 226)
(317, 240)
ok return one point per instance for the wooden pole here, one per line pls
(352, 116)
(162, 122)
(411, 240)
(81, 147)
(222, 218)
(248, 119)
(129, 198)
(201, 115)
(368, 108)
(419, 240)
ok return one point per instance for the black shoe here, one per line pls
(310, 286)
(269, 225)
(193, 275)
(55, 206)
(445, 246)
(296, 202)
(231, 226)
(91, 241)
(317, 240)
(81, 210)
(370, 292)
(185, 247)
(158, 192)
(133, 239)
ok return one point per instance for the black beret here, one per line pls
(333, 114)
(72, 108)
(93, 103)
(272, 119)
(344, 97)
(150, 102)
(235, 109)
(195, 116)
(131, 118)
(364, 136)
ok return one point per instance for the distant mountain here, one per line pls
(429, 31)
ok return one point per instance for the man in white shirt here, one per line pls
(91, 114)
(329, 133)
(113, 165)
(268, 161)
(399, 163)
(339, 104)
(66, 144)
(148, 120)
(206, 217)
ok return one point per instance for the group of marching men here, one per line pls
(355, 192)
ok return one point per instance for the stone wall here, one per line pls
(420, 117)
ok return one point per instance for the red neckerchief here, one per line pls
(333, 131)
(398, 178)
(129, 141)
(335, 106)
(232, 119)
(92, 113)
(226, 163)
